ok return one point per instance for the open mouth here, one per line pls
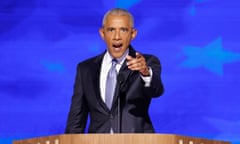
(117, 47)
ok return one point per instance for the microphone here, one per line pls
(120, 79)
(132, 53)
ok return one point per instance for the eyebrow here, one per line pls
(116, 28)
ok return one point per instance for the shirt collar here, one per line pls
(120, 60)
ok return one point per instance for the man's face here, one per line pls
(117, 33)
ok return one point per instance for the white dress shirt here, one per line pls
(105, 67)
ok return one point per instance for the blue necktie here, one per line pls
(111, 84)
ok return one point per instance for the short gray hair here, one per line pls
(118, 12)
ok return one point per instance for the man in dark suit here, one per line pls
(137, 81)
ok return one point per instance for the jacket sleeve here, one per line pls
(78, 114)
(156, 87)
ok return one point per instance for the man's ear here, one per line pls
(101, 32)
(133, 34)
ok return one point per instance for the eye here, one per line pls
(110, 29)
(124, 29)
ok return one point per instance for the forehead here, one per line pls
(118, 20)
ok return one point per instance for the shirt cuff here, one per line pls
(147, 79)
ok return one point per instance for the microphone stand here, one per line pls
(119, 115)
(120, 80)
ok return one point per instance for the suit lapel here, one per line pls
(96, 80)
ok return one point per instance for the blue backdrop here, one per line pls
(197, 41)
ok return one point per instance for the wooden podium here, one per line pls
(118, 139)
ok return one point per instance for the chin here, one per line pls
(117, 55)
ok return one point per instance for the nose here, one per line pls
(117, 35)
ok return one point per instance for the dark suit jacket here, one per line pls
(135, 99)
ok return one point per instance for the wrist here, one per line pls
(146, 72)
